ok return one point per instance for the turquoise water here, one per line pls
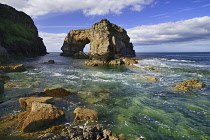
(126, 103)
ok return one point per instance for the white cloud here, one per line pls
(181, 31)
(89, 7)
(137, 8)
(53, 42)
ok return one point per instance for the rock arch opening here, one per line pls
(86, 49)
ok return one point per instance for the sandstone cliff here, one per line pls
(106, 40)
(18, 34)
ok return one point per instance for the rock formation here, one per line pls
(184, 86)
(40, 112)
(18, 34)
(106, 40)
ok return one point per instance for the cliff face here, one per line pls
(105, 38)
(18, 34)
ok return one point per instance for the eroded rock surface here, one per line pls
(105, 38)
(184, 86)
(40, 112)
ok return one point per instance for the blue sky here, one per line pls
(153, 25)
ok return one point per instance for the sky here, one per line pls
(152, 25)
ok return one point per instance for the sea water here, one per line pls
(125, 102)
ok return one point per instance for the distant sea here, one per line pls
(125, 102)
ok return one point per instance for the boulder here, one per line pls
(18, 34)
(85, 114)
(106, 40)
(13, 68)
(184, 86)
(26, 102)
(40, 112)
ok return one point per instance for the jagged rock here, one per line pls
(13, 68)
(39, 113)
(184, 86)
(50, 62)
(106, 40)
(85, 114)
(19, 35)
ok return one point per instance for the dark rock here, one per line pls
(80, 55)
(58, 92)
(19, 35)
(3, 55)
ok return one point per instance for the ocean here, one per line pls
(125, 102)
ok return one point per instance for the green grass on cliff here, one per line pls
(14, 32)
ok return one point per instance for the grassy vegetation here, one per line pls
(15, 31)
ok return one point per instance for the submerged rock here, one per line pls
(150, 78)
(85, 114)
(184, 86)
(13, 68)
(40, 112)
(58, 92)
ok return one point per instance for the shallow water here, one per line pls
(125, 103)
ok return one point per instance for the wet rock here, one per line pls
(120, 61)
(58, 92)
(13, 68)
(39, 113)
(85, 114)
(50, 62)
(184, 86)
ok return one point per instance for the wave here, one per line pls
(176, 60)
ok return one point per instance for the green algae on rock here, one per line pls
(19, 35)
